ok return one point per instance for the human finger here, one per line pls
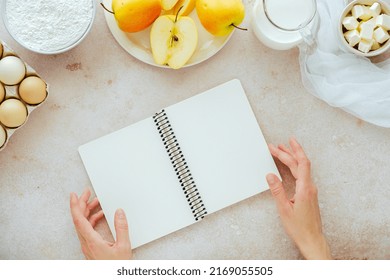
(82, 225)
(285, 158)
(282, 154)
(82, 240)
(83, 201)
(297, 149)
(96, 218)
(278, 193)
(85, 195)
(121, 228)
(303, 171)
(286, 149)
(93, 204)
(90, 207)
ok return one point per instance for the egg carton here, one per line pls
(12, 92)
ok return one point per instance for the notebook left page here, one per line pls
(130, 169)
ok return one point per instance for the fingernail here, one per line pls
(120, 213)
(270, 179)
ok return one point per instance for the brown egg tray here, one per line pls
(12, 91)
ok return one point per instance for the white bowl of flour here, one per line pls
(48, 26)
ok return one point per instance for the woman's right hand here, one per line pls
(300, 215)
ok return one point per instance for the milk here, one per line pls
(286, 23)
(290, 14)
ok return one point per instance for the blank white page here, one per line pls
(223, 145)
(130, 169)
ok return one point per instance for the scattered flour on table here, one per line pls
(48, 25)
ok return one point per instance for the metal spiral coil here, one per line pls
(180, 165)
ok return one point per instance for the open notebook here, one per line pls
(185, 162)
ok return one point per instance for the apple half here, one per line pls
(173, 40)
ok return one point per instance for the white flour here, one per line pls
(48, 25)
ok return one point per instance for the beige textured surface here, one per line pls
(98, 88)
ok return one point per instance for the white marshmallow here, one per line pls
(375, 45)
(350, 23)
(371, 21)
(381, 35)
(352, 37)
(375, 9)
(365, 46)
(383, 21)
(367, 31)
(366, 14)
(357, 11)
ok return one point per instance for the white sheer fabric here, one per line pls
(342, 79)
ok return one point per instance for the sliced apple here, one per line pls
(173, 40)
(168, 4)
(188, 7)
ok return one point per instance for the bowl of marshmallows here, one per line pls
(364, 27)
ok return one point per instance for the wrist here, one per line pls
(318, 249)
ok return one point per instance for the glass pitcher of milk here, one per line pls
(283, 24)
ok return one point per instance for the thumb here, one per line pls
(121, 228)
(278, 192)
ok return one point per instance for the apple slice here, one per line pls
(168, 4)
(188, 6)
(173, 40)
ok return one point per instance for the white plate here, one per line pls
(138, 44)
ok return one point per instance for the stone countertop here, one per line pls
(98, 88)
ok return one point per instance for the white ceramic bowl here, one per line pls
(385, 8)
(48, 52)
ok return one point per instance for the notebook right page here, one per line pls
(223, 145)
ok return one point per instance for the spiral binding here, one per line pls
(180, 165)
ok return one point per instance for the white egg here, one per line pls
(3, 136)
(2, 93)
(13, 113)
(12, 70)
